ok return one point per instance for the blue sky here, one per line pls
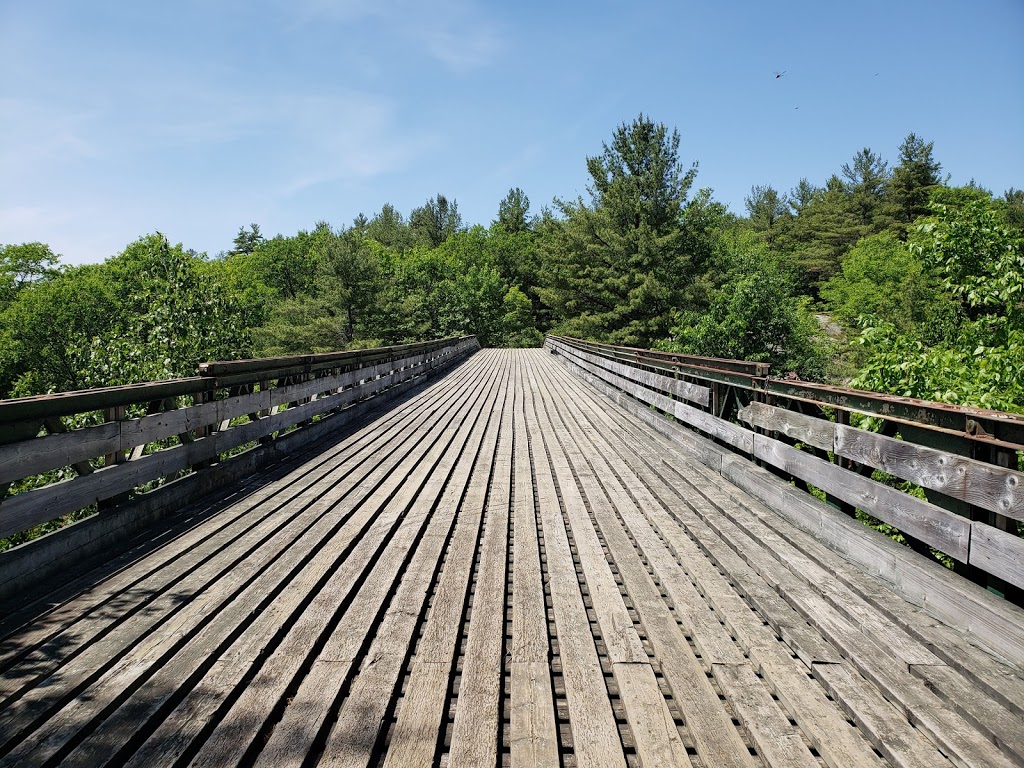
(194, 118)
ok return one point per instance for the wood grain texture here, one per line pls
(933, 525)
(684, 389)
(998, 552)
(805, 429)
(509, 568)
(984, 485)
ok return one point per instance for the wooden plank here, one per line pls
(656, 740)
(305, 365)
(25, 510)
(823, 725)
(749, 628)
(716, 740)
(879, 627)
(595, 734)
(987, 617)
(728, 432)
(933, 525)
(38, 506)
(293, 392)
(353, 738)
(1001, 726)
(38, 455)
(839, 744)
(529, 614)
(417, 732)
(711, 730)
(925, 583)
(892, 735)
(777, 741)
(881, 720)
(633, 353)
(149, 650)
(998, 552)
(40, 407)
(817, 721)
(534, 737)
(329, 467)
(331, 668)
(176, 730)
(705, 451)
(654, 731)
(325, 513)
(958, 739)
(984, 485)
(533, 734)
(476, 731)
(952, 647)
(842, 616)
(41, 454)
(678, 387)
(821, 433)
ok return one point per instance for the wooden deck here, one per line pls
(503, 569)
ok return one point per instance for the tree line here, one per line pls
(888, 278)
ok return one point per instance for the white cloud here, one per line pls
(86, 183)
(456, 33)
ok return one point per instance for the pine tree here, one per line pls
(433, 222)
(913, 180)
(247, 241)
(768, 214)
(514, 212)
(616, 266)
(868, 180)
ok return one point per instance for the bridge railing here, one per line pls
(945, 476)
(73, 453)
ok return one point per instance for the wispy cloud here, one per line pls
(177, 149)
(456, 33)
(35, 131)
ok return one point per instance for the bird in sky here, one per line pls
(779, 74)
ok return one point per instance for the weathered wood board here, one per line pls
(507, 569)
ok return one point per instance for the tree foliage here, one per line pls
(928, 278)
(616, 266)
(756, 315)
(914, 179)
(883, 278)
(979, 361)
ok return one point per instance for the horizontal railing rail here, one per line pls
(68, 452)
(945, 476)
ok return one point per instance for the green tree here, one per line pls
(868, 181)
(913, 180)
(47, 330)
(824, 231)
(435, 221)
(614, 268)
(287, 266)
(883, 278)
(390, 229)
(1011, 205)
(517, 323)
(22, 265)
(176, 313)
(350, 276)
(514, 212)
(768, 214)
(980, 262)
(756, 315)
(247, 241)
(802, 195)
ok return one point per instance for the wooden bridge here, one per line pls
(579, 556)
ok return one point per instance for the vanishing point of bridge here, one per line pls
(500, 567)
